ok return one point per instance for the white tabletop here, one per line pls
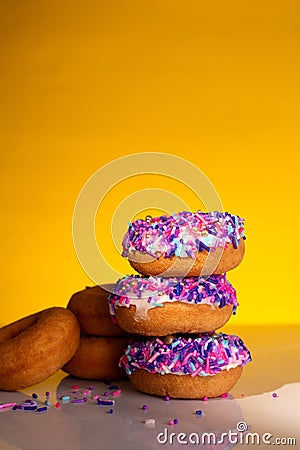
(274, 370)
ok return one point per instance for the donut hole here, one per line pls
(17, 328)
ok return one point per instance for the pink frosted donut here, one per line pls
(156, 306)
(207, 365)
(185, 244)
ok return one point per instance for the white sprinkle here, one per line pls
(150, 423)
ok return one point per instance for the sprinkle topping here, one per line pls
(183, 234)
(203, 355)
(146, 293)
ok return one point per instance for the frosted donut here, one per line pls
(90, 306)
(207, 365)
(158, 306)
(185, 244)
(37, 346)
(97, 358)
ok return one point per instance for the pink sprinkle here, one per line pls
(205, 399)
(117, 392)
(57, 405)
(171, 422)
(76, 386)
(196, 372)
(96, 397)
(188, 356)
(224, 395)
(7, 405)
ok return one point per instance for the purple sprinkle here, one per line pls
(79, 400)
(113, 386)
(167, 398)
(106, 402)
(47, 394)
(176, 421)
(198, 412)
(16, 407)
(145, 407)
(106, 394)
(274, 395)
(34, 395)
(42, 409)
(111, 411)
(29, 408)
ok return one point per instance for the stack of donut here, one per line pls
(102, 342)
(179, 300)
(173, 307)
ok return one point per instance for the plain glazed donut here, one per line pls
(157, 306)
(90, 306)
(207, 365)
(97, 358)
(37, 346)
(185, 244)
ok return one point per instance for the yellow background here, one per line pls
(83, 83)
